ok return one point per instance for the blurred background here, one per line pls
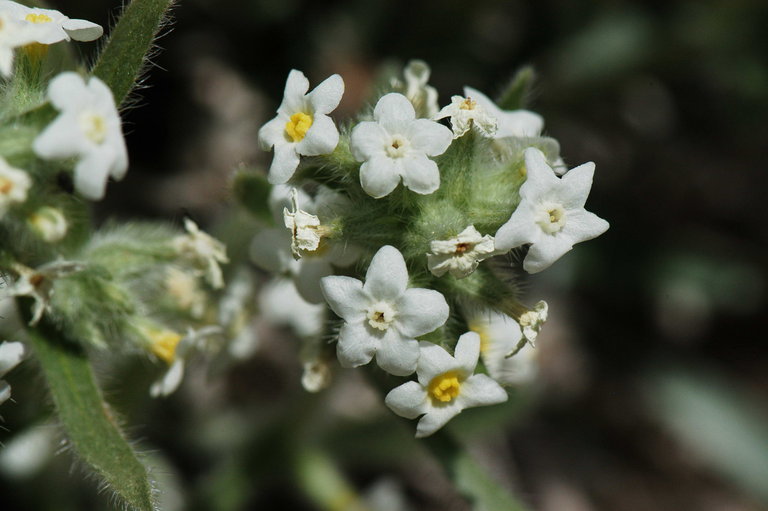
(653, 378)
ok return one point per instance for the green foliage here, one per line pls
(516, 94)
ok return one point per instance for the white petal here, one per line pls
(409, 400)
(435, 419)
(519, 123)
(379, 176)
(170, 380)
(541, 180)
(518, 230)
(270, 250)
(6, 61)
(345, 296)
(367, 140)
(433, 360)
(326, 96)
(420, 311)
(546, 251)
(429, 137)
(394, 111)
(5, 391)
(60, 139)
(467, 352)
(420, 174)
(68, 90)
(387, 275)
(321, 138)
(92, 173)
(396, 355)
(356, 345)
(308, 277)
(119, 156)
(273, 133)
(83, 30)
(296, 86)
(284, 163)
(11, 353)
(480, 390)
(576, 184)
(581, 225)
(484, 101)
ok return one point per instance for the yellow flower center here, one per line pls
(468, 104)
(380, 315)
(94, 127)
(38, 18)
(6, 185)
(297, 127)
(551, 218)
(164, 343)
(444, 387)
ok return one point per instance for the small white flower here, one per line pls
(14, 185)
(49, 223)
(382, 317)
(397, 145)
(500, 335)
(87, 128)
(460, 255)
(446, 386)
(316, 375)
(510, 123)
(184, 292)
(13, 34)
(532, 321)
(305, 228)
(52, 26)
(38, 284)
(466, 113)
(175, 350)
(551, 215)
(281, 304)
(11, 353)
(422, 96)
(302, 126)
(204, 251)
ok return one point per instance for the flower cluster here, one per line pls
(478, 181)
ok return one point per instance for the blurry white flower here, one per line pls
(281, 304)
(13, 34)
(28, 451)
(52, 26)
(551, 215)
(446, 386)
(87, 128)
(422, 96)
(49, 223)
(174, 349)
(236, 310)
(204, 251)
(459, 255)
(532, 321)
(302, 126)
(381, 316)
(466, 113)
(316, 375)
(11, 353)
(397, 145)
(510, 123)
(38, 284)
(500, 335)
(14, 185)
(305, 228)
(184, 291)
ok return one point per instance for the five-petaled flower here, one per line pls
(398, 145)
(50, 26)
(466, 113)
(14, 185)
(306, 231)
(446, 385)
(204, 251)
(302, 126)
(88, 128)
(551, 215)
(461, 254)
(381, 316)
(174, 350)
(509, 123)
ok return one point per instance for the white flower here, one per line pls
(302, 126)
(382, 317)
(532, 321)
(14, 185)
(174, 350)
(500, 335)
(87, 128)
(422, 96)
(460, 255)
(13, 34)
(49, 223)
(446, 386)
(510, 123)
(316, 375)
(204, 251)
(281, 304)
(38, 284)
(397, 145)
(11, 353)
(551, 215)
(465, 113)
(50, 25)
(305, 228)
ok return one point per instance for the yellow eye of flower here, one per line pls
(6, 185)
(94, 126)
(164, 343)
(444, 387)
(38, 18)
(298, 126)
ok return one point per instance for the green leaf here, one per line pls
(121, 61)
(88, 421)
(515, 94)
(252, 191)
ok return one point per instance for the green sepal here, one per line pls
(121, 60)
(88, 421)
(252, 190)
(515, 95)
